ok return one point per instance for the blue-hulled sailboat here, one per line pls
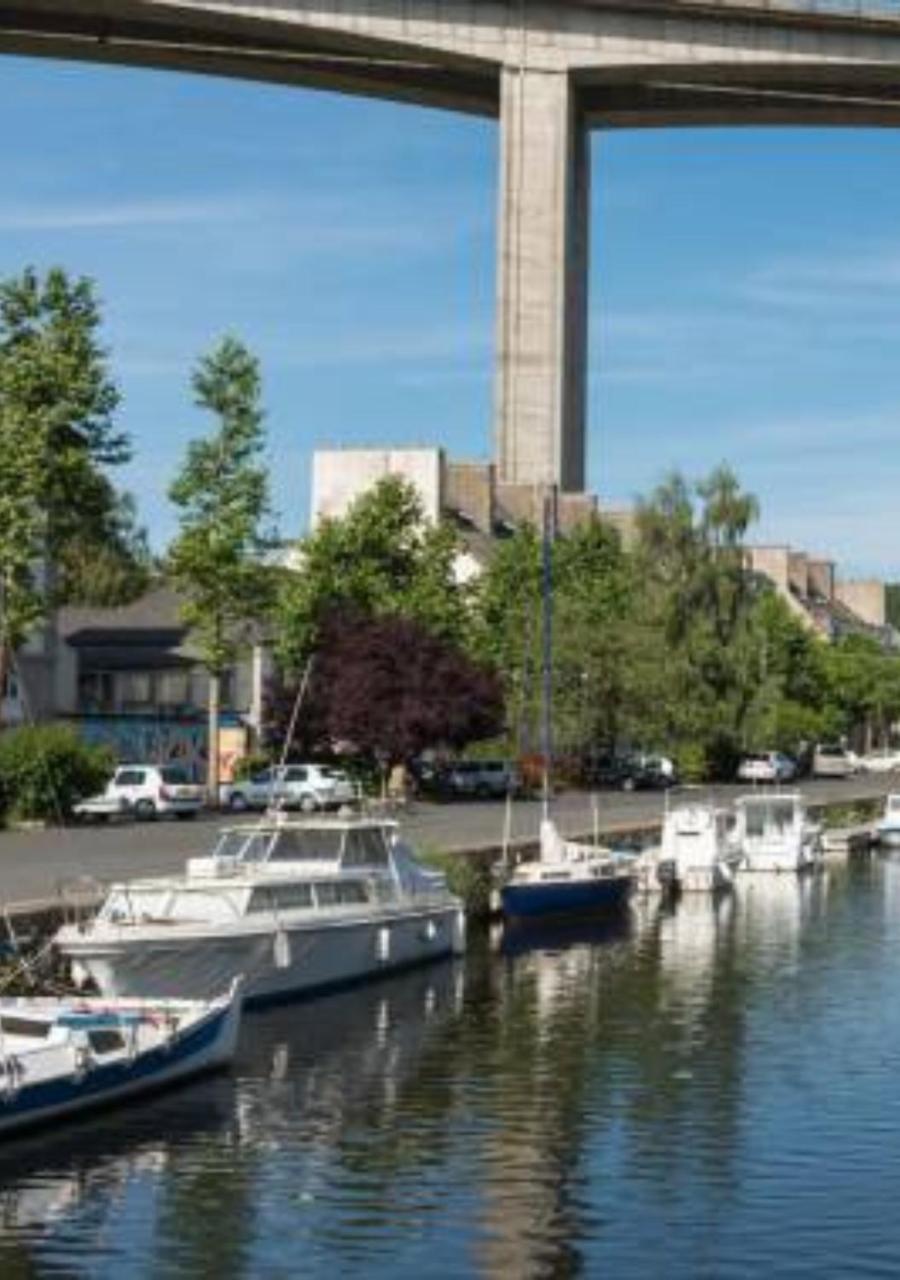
(568, 877)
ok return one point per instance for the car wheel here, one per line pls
(186, 815)
(482, 791)
(237, 802)
(145, 809)
(307, 804)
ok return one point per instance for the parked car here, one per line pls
(307, 787)
(833, 761)
(767, 766)
(145, 791)
(633, 772)
(880, 761)
(478, 779)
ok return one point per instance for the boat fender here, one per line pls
(281, 950)
(83, 1062)
(13, 1072)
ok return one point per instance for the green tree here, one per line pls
(222, 497)
(382, 558)
(57, 437)
(591, 604)
(699, 599)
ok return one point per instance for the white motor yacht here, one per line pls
(887, 829)
(697, 854)
(295, 905)
(775, 833)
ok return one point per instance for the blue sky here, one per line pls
(745, 298)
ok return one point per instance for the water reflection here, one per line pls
(558, 1104)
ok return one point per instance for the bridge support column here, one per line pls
(543, 286)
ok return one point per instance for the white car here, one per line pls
(767, 766)
(307, 787)
(834, 762)
(145, 791)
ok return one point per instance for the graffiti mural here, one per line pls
(137, 739)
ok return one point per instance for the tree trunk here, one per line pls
(212, 756)
(5, 668)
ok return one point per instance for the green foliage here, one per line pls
(381, 559)
(592, 593)
(250, 764)
(469, 876)
(46, 769)
(222, 498)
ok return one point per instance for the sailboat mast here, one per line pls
(548, 534)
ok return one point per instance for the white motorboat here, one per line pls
(887, 829)
(696, 854)
(62, 1056)
(774, 832)
(295, 905)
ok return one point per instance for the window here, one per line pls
(249, 846)
(174, 774)
(130, 778)
(106, 1041)
(307, 845)
(341, 893)
(295, 773)
(25, 1027)
(282, 897)
(365, 848)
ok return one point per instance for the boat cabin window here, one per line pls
(777, 816)
(365, 848)
(281, 897)
(248, 845)
(340, 893)
(106, 1041)
(28, 1028)
(304, 844)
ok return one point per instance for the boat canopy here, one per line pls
(357, 845)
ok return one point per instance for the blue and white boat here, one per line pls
(59, 1057)
(567, 878)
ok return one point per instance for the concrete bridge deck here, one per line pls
(550, 70)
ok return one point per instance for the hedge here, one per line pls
(46, 769)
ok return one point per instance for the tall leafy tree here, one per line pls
(222, 496)
(57, 438)
(382, 557)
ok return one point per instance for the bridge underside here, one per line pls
(550, 70)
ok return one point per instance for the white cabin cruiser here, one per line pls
(295, 905)
(697, 854)
(887, 829)
(774, 832)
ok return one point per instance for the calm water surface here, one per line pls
(713, 1091)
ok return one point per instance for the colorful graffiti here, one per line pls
(141, 739)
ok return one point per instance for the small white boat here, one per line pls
(773, 832)
(887, 829)
(295, 905)
(567, 878)
(62, 1056)
(697, 854)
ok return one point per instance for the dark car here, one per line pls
(628, 772)
(473, 779)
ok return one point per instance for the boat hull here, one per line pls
(559, 898)
(207, 1045)
(291, 961)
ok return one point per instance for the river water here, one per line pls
(708, 1091)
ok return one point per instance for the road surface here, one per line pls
(34, 864)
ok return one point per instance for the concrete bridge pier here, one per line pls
(543, 279)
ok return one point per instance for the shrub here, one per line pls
(46, 769)
(690, 761)
(250, 764)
